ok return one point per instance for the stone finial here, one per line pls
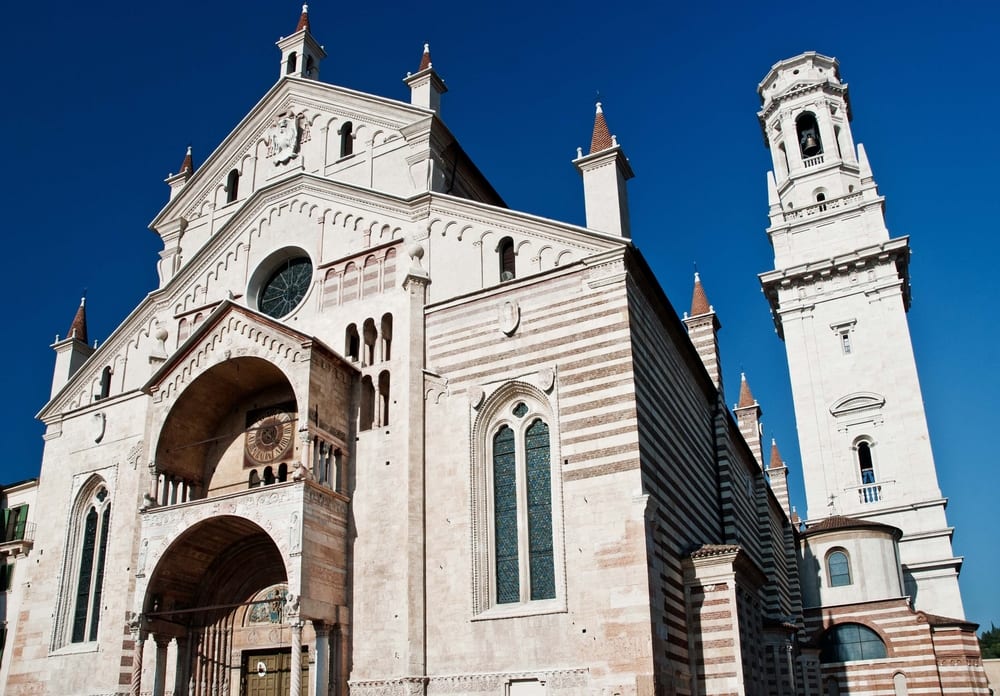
(775, 462)
(78, 329)
(601, 139)
(187, 166)
(303, 20)
(746, 396)
(699, 300)
(416, 252)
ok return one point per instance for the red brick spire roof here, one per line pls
(601, 139)
(746, 397)
(699, 300)
(303, 20)
(188, 164)
(425, 59)
(775, 462)
(78, 329)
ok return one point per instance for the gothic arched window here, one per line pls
(86, 554)
(515, 519)
(105, 383)
(291, 63)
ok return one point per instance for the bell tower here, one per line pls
(839, 295)
(301, 54)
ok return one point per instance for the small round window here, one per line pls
(284, 289)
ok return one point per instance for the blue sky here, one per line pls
(102, 99)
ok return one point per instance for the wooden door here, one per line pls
(269, 673)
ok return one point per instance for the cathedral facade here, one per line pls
(375, 433)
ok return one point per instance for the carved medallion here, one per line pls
(283, 138)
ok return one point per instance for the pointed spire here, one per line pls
(187, 166)
(699, 300)
(863, 163)
(775, 462)
(601, 140)
(78, 329)
(425, 59)
(746, 397)
(303, 19)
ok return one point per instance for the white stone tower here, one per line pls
(839, 295)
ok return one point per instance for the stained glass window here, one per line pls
(840, 569)
(539, 511)
(520, 410)
(505, 516)
(850, 642)
(89, 579)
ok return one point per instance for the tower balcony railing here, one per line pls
(876, 492)
(822, 207)
(812, 161)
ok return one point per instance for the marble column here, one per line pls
(296, 680)
(160, 669)
(139, 638)
(321, 675)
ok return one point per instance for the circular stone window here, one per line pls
(285, 287)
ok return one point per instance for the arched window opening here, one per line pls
(821, 200)
(539, 500)
(505, 517)
(282, 472)
(839, 568)
(105, 383)
(268, 476)
(370, 336)
(871, 492)
(310, 67)
(506, 253)
(254, 480)
(90, 569)
(383, 397)
(291, 63)
(523, 557)
(899, 684)
(367, 416)
(808, 133)
(346, 139)
(836, 137)
(849, 642)
(352, 343)
(232, 186)
(386, 334)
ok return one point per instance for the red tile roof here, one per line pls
(303, 20)
(601, 140)
(775, 462)
(78, 329)
(836, 522)
(699, 300)
(425, 59)
(188, 164)
(746, 396)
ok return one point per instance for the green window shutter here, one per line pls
(22, 520)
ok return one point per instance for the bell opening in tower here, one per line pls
(808, 132)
